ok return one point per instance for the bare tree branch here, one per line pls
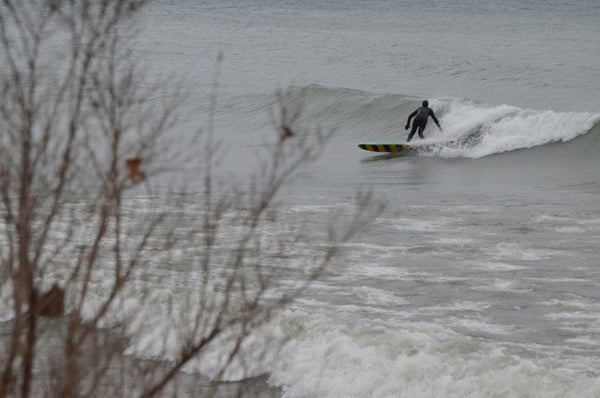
(82, 139)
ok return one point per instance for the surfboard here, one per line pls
(385, 147)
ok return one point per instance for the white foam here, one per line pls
(503, 285)
(587, 340)
(498, 266)
(569, 224)
(481, 326)
(459, 306)
(503, 128)
(454, 241)
(333, 360)
(420, 225)
(373, 296)
(380, 271)
(573, 315)
(581, 305)
(520, 252)
(570, 230)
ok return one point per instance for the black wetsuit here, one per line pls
(420, 121)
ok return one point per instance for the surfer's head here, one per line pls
(425, 103)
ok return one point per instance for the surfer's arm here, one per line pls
(409, 119)
(435, 119)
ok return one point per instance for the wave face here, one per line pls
(471, 129)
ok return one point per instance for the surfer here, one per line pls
(420, 115)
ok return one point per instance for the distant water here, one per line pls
(482, 277)
(533, 54)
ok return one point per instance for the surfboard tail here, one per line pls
(389, 148)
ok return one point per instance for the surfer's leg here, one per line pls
(422, 128)
(412, 131)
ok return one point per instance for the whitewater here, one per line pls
(482, 276)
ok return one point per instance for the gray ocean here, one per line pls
(482, 276)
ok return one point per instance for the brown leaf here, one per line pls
(52, 303)
(134, 169)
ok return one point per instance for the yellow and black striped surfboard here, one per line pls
(389, 148)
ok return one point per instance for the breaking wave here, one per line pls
(471, 129)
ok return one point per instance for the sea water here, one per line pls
(482, 276)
